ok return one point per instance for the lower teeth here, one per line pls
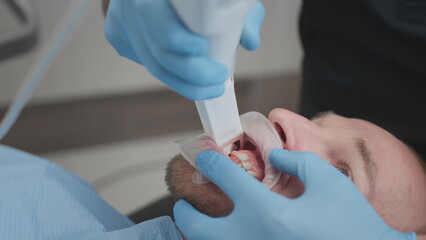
(253, 174)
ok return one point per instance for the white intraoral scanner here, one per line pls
(221, 22)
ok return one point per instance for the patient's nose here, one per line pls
(297, 132)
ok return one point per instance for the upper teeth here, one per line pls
(242, 156)
(243, 161)
(247, 165)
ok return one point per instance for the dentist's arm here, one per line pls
(149, 32)
(330, 208)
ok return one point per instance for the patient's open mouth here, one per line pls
(261, 137)
(250, 159)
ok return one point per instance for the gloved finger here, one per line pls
(117, 37)
(190, 221)
(200, 71)
(180, 86)
(250, 38)
(233, 180)
(167, 30)
(122, 48)
(184, 88)
(293, 163)
(189, 91)
(309, 167)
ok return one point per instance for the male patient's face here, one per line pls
(383, 168)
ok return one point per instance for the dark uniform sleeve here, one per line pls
(367, 59)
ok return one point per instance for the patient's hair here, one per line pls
(206, 198)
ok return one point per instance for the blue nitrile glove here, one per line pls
(330, 208)
(150, 33)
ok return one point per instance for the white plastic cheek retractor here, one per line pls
(190, 149)
(260, 132)
(221, 24)
(263, 134)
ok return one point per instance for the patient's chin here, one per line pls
(206, 198)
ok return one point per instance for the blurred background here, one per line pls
(106, 118)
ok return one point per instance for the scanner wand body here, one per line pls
(221, 23)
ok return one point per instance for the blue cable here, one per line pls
(31, 82)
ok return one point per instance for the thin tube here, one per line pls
(44, 59)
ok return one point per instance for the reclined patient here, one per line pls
(387, 172)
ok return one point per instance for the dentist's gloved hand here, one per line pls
(330, 208)
(150, 33)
